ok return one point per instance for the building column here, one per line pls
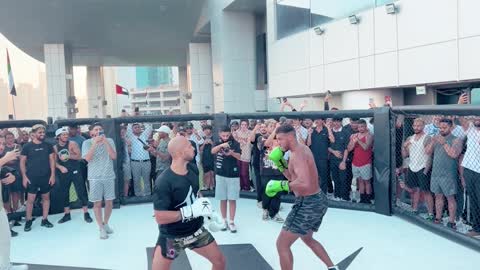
(59, 73)
(95, 92)
(233, 59)
(183, 86)
(201, 78)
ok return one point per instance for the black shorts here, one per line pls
(207, 168)
(5, 193)
(172, 246)
(306, 214)
(418, 180)
(39, 184)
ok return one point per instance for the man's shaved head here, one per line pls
(181, 148)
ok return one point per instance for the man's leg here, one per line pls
(258, 183)
(223, 208)
(284, 241)
(136, 173)
(232, 205)
(439, 206)
(317, 248)
(146, 170)
(159, 262)
(416, 198)
(108, 210)
(45, 205)
(452, 208)
(30, 200)
(15, 200)
(212, 253)
(65, 183)
(97, 209)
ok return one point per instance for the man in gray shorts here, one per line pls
(310, 203)
(227, 187)
(100, 152)
(445, 148)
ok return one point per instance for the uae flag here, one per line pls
(13, 91)
(121, 90)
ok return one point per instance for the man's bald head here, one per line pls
(181, 148)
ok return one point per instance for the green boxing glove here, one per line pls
(277, 157)
(275, 186)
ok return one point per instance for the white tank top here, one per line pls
(418, 157)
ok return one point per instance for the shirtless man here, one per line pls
(310, 203)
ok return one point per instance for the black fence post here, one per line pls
(383, 161)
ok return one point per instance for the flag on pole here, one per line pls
(13, 91)
(121, 90)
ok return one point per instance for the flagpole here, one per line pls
(13, 103)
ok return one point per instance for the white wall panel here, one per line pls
(385, 31)
(316, 79)
(366, 33)
(291, 53)
(342, 76)
(341, 41)
(434, 63)
(469, 58)
(316, 49)
(468, 17)
(426, 22)
(386, 70)
(367, 72)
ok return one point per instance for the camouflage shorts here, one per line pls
(172, 246)
(306, 214)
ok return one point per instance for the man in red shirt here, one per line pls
(361, 144)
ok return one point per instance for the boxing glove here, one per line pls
(200, 207)
(277, 157)
(275, 186)
(215, 222)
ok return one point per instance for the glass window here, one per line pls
(292, 16)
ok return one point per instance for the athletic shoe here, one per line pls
(13, 233)
(28, 225)
(16, 223)
(17, 267)
(232, 227)
(107, 228)
(46, 223)
(252, 189)
(430, 217)
(335, 267)
(224, 228)
(452, 225)
(87, 218)
(65, 218)
(259, 205)
(265, 215)
(278, 218)
(22, 208)
(103, 233)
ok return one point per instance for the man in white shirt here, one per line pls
(471, 174)
(140, 158)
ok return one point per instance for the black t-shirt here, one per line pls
(172, 192)
(267, 168)
(256, 150)
(227, 166)
(207, 156)
(38, 158)
(342, 138)
(320, 144)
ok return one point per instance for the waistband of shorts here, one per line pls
(194, 234)
(144, 160)
(318, 194)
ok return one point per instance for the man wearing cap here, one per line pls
(163, 157)
(37, 164)
(140, 158)
(68, 163)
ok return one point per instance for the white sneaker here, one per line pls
(17, 267)
(224, 228)
(22, 208)
(335, 267)
(232, 227)
(103, 234)
(259, 205)
(265, 214)
(107, 229)
(278, 218)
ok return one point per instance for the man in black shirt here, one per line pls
(37, 163)
(68, 163)
(257, 137)
(180, 213)
(227, 188)
(208, 160)
(338, 159)
(319, 140)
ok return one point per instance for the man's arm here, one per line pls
(23, 167)
(331, 137)
(352, 143)
(455, 149)
(217, 148)
(167, 217)
(406, 147)
(53, 164)
(368, 142)
(309, 139)
(88, 150)
(430, 146)
(110, 145)
(74, 151)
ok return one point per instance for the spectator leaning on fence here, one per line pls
(163, 157)
(418, 179)
(471, 173)
(445, 149)
(319, 139)
(140, 158)
(338, 159)
(208, 160)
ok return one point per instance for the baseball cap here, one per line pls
(164, 129)
(60, 131)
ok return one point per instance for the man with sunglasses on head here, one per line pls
(37, 164)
